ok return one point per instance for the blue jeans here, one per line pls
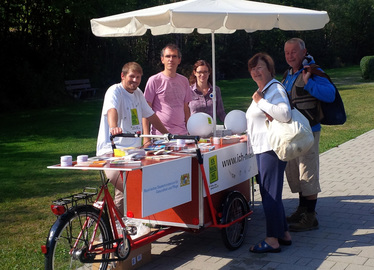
(271, 177)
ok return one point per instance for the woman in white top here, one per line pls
(270, 101)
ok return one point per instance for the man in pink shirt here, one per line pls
(168, 93)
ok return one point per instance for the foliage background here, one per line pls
(44, 42)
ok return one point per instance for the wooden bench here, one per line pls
(77, 87)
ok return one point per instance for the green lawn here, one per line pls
(32, 140)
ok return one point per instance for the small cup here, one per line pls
(66, 161)
(181, 142)
(216, 140)
(82, 158)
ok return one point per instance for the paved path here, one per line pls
(345, 239)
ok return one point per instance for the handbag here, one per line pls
(290, 139)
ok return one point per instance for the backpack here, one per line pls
(334, 112)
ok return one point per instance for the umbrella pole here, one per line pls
(214, 84)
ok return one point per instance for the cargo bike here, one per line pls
(165, 194)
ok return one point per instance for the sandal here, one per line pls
(264, 247)
(284, 242)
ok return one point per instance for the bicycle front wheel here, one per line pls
(63, 236)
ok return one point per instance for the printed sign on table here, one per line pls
(166, 185)
(229, 166)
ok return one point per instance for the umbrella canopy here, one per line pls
(209, 17)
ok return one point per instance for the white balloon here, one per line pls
(236, 121)
(200, 124)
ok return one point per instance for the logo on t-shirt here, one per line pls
(134, 117)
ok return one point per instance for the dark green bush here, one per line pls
(367, 67)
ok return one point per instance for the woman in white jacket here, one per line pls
(270, 101)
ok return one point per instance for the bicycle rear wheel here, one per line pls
(63, 236)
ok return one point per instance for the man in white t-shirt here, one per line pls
(123, 109)
(168, 93)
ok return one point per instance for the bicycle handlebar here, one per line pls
(167, 137)
(183, 137)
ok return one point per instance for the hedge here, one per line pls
(367, 67)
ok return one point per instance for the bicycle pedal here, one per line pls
(131, 230)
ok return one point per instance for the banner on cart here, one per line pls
(166, 185)
(228, 166)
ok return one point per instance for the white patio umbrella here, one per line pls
(209, 17)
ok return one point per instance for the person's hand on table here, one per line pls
(243, 138)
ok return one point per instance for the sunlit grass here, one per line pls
(29, 142)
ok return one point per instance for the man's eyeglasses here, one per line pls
(202, 72)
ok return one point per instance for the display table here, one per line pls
(170, 192)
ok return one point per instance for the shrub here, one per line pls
(367, 67)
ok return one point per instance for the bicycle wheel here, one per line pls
(234, 207)
(63, 236)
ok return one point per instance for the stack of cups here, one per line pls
(66, 161)
(216, 140)
(82, 158)
(181, 142)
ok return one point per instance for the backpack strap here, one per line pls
(263, 91)
(314, 69)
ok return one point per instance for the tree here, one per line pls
(45, 42)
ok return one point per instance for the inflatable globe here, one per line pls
(236, 121)
(200, 124)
